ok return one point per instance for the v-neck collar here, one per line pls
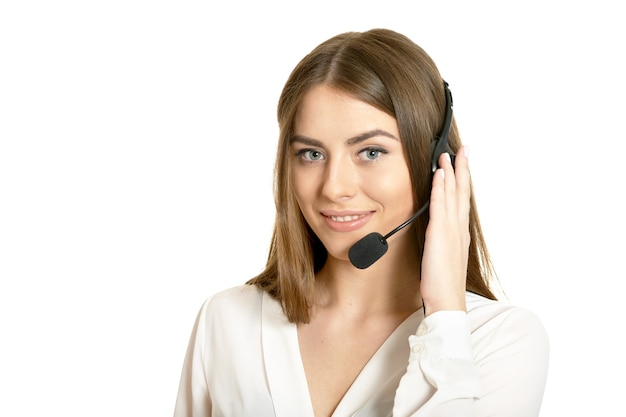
(283, 363)
(371, 393)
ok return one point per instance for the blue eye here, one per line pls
(310, 155)
(372, 154)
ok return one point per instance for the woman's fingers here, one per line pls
(444, 266)
(463, 189)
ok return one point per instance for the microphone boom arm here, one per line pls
(409, 221)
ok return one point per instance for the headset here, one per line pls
(372, 247)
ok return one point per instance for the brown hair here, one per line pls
(388, 71)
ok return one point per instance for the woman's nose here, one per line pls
(340, 181)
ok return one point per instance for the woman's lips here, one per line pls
(346, 222)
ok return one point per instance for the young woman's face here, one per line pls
(349, 172)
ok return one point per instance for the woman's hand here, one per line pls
(444, 264)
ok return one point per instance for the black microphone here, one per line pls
(372, 247)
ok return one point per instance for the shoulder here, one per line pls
(236, 303)
(481, 310)
(498, 324)
(239, 294)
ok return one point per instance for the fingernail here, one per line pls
(466, 151)
(442, 172)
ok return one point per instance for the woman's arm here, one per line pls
(193, 398)
(481, 365)
(491, 362)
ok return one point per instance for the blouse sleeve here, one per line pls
(193, 398)
(498, 368)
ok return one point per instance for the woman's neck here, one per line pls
(389, 286)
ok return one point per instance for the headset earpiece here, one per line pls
(441, 144)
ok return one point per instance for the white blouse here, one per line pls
(244, 360)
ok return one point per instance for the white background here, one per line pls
(137, 145)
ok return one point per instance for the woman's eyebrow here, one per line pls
(370, 134)
(306, 140)
(353, 140)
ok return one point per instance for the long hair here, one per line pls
(391, 73)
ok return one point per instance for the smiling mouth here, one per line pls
(342, 219)
(347, 221)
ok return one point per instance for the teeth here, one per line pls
(342, 219)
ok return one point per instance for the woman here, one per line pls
(416, 332)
